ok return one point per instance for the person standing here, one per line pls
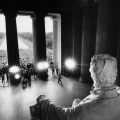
(57, 70)
(52, 68)
(3, 77)
(59, 78)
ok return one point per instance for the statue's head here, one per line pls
(103, 69)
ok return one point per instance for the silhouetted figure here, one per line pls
(59, 79)
(29, 77)
(2, 76)
(57, 70)
(7, 73)
(26, 79)
(52, 67)
(24, 83)
(53, 71)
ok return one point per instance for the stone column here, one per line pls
(11, 36)
(55, 31)
(88, 40)
(34, 37)
(66, 39)
(107, 27)
(118, 58)
(71, 33)
(57, 40)
(12, 42)
(39, 42)
(77, 38)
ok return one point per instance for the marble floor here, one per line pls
(15, 101)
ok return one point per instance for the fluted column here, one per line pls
(88, 40)
(118, 58)
(107, 27)
(34, 38)
(55, 30)
(57, 40)
(66, 39)
(39, 42)
(11, 36)
(77, 37)
(71, 33)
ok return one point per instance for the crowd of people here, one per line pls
(4, 75)
(27, 71)
(56, 71)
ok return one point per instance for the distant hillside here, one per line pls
(29, 36)
(26, 35)
(26, 55)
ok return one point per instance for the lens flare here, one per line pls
(70, 63)
(17, 76)
(14, 69)
(42, 65)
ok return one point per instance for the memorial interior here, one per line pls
(81, 28)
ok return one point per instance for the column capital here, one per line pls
(41, 13)
(32, 15)
(10, 13)
(56, 17)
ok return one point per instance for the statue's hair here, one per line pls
(103, 68)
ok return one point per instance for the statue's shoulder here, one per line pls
(90, 99)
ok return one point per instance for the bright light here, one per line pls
(17, 76)
(2, 23)
(48, 24)
(24, 23)
(46, 64)
(43, 65)
(70, 63)
(14, 69)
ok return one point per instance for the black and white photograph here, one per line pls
(60, 60)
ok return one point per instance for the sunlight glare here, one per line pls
(2, 23)
(14, 69)
(24, 23)
(70, 63)
(48, 24)
(42, 65)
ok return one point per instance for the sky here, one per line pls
(24, 24)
